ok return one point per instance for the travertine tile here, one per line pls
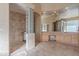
(16, 30)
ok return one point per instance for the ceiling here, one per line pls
(56, 6)
(15, 7)
(22, 7)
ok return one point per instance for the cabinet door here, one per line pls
(75, 40)
(59, 38)
(67, 39)
(44, 37)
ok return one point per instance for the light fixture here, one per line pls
(66, 8)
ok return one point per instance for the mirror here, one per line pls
(66, 25)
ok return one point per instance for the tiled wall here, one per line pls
(17, 29)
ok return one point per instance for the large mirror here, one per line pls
(66, 25)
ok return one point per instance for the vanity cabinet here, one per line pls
(69, 38)
(75, 39)
(44, 36)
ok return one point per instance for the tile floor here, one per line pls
(50, 48)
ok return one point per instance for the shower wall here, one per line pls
(17, 29)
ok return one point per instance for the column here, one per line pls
(30, 36)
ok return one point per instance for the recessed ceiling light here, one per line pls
(66, 7)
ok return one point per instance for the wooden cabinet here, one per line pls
(59, 37)
(66, 37)
(44, 37)
(75, 40)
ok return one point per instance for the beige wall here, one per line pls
(17, 29)
(48, 19)
(4, 29)
(37, 19)
(37, 8)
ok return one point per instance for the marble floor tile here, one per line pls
(49, 48)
